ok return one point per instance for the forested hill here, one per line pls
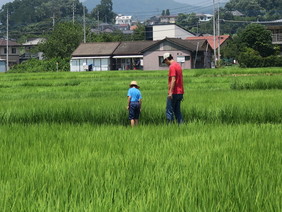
(269, 8)
(24, 12)
(144, 9)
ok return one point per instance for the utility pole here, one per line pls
(218, 32)
(7, 43)
(214, 29)
(84, 30)
(73, 10)
(53, 17)
(98, 22)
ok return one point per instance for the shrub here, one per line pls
(251, 59)
(35, 65)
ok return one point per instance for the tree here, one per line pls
(62, 41)
(232, 49)
(187, 21)
(167, 12)
(139, 32)
(104, 11)
(23, 12)
(257, 37)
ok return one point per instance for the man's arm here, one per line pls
(171, 87)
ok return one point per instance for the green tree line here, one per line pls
(24, 12)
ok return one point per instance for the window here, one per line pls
(5, 50)
(187, 58)
(14, 50)
(161, 64)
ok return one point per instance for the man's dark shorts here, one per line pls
(134, 110)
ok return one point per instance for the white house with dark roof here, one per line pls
(29, 46)
(93, 56)
(145, 55)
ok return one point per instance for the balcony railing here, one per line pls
(277, 38)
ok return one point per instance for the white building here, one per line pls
(121, 19)
(170, 31)
(204, 17)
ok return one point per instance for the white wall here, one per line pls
(171, 31)
(81, 64)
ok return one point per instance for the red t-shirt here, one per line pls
(175, 70)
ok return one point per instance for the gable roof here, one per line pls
(190, 45)
(210, 39)
(132, 47)
(99, 48)
(34, 42)
(3, 42)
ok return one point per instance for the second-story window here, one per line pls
(14, 50)
(5, 50)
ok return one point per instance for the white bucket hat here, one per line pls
(166, 55)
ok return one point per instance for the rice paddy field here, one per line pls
(66, 143)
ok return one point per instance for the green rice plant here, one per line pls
(100, 98)
(262, 84)
(236, 71)
(194, 167)
(66, 144)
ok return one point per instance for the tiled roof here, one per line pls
(210, 39)
(132, 47)
(3, 42)
(99, 48)
(190, 45)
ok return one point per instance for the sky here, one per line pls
(4, 2)
(191, 2)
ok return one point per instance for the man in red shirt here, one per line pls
(175, 89)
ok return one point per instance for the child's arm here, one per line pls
(128, 101)
(140, 102)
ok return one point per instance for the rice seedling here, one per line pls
(195, 167)
(66, 144)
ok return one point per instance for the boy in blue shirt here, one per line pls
(134, 99)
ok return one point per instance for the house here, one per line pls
(13, 51)
(146, 55)
(236, 13)
(129, 55)
(204, 17)
(161, 31)
(214, 41)
(93, 56)
(153, 20)
(123, 27)
(189, 53)
(122, 19)
(168, 19)
(29, 49)
(276, 31)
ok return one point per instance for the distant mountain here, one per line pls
(144, 9)
(203, 3)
